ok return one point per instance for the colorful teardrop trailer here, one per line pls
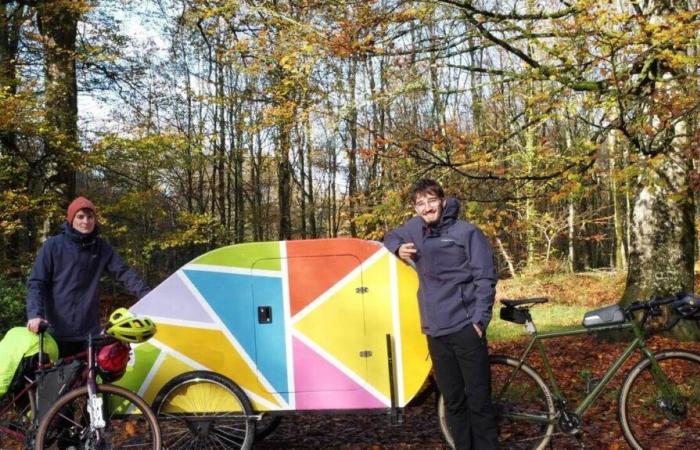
(328, 324)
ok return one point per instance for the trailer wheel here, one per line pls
(203, 410)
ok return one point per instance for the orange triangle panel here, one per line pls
(316, 265)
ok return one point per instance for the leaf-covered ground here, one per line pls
(420, 429)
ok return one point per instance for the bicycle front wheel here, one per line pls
(523, 404)
(204, 410)
(17, 418)
(662, 410)
(129, 423)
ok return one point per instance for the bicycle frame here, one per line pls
(638, 343)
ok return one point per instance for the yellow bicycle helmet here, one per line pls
(126, 327)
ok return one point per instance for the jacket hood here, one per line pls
(450, 211)
(449, 214)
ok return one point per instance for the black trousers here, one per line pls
(463, 375)
(70, 348)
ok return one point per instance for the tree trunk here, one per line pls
(661, 257)
(256, 185)
(58, 25)
(301, 144)
(220, 190)
(571, 258)
(11, 19)
(284, 183)
(619, 249)
(352, 151)
(313, 229)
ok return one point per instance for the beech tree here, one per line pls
(636, 64)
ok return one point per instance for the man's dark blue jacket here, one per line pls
(455, 269)
(64, 285)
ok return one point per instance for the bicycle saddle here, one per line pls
(524, 301)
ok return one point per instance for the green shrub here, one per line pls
(13, 294)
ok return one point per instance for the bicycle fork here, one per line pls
(668, 398)
(95, 404)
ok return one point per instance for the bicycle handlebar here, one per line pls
(43, 326)
(650, 305)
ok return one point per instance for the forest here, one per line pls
(567, 129)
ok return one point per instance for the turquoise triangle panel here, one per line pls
(235, 299)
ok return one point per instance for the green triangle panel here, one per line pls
(256, 255)
(145, 356)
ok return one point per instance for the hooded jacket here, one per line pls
(64, 284)
(454, 262)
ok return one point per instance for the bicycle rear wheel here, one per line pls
(656, 417)
(204, 410)
(523, 406)
(129, 422)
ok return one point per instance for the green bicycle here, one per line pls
(659, 400)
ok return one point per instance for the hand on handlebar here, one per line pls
(37, 325)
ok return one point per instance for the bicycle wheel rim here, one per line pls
(204, 413)
(523, 406)
(652, 419)
(129, 423)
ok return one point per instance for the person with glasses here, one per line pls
(457, 286)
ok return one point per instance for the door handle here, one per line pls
(264, 314)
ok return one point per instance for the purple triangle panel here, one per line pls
(172, 299)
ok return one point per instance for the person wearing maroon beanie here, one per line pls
(63, 287)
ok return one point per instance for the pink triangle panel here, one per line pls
(321, 385)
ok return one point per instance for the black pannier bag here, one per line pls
(54, 383)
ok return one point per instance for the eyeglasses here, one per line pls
(432, 202)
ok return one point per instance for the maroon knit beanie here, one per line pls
(78, 204)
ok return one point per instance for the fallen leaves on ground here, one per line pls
(571, 357)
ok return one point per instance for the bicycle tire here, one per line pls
(204, 410)
(130, 422)
(19, 418)
(651, 420)
(527, 393)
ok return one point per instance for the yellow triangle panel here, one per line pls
(416, 363)
(169, 369)
(378, 320)
(337, 326)
(212, 349)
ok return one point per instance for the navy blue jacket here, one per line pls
(64, 285)
(457, 280)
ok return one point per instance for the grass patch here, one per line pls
(547, 317)
(570, 297)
